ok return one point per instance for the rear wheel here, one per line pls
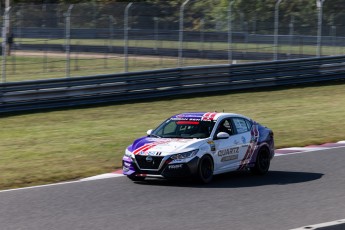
(205, 169)
(136, 178)
(262, 163)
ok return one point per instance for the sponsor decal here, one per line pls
(226, 152)
(188, 116)
(212, 145)
(254, 132)
(179, 166)
(153, 153)
(229, 158)
(243, 139)
(150, 153)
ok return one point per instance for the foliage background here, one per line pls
(302, 12)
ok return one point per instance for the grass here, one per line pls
(54, 146)
(22, 68)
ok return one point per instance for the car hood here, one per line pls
(163, 146)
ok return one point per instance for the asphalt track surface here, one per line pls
(301, 189)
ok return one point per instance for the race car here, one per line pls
(200, 145)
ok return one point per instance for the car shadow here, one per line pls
(240, 179)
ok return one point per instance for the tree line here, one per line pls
(248, 15)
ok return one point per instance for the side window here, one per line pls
(241, 125)
(249, 124)
(225, 126)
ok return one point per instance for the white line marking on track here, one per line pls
(337, 224)
(102, 176)
(39, 186)
(307, 151)
(98, 177)
(304, 149)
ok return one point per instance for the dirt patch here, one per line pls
(84, 55)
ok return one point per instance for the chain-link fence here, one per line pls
(49, 41)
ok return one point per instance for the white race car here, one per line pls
(200, 145)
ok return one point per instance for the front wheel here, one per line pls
(136, 178)
(262, 163)
(205, 169)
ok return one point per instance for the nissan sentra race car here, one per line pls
(200, 145)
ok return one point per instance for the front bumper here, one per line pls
(167, 169)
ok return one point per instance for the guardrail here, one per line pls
(55, 93)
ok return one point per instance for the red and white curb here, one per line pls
(278, 152)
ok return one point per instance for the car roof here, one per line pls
(210, 116)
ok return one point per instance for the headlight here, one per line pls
(128, 153)
(184, 155)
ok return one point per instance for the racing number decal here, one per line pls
(208, 116)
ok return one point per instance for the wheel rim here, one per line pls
(206, 169)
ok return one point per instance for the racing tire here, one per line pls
(262, 164)
(136, 178)
(205, 170)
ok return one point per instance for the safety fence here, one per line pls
(56, 93)
(114, 37)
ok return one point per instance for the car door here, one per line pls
(242, 131)
(228, 150)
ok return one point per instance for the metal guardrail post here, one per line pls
(68, 40)
(202, 35)
(180, 49)
(319, 4)
(5, 31)
(19, 27)
(126, 35)
(230, 32)
(276, 24)
(291, 33)
(155, 20)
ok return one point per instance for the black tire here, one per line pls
(205, 169)
(136, 178)
(262, 164)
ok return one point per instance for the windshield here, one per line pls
(184, 129)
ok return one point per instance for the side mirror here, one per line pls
(149, 132)
(223, 135)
